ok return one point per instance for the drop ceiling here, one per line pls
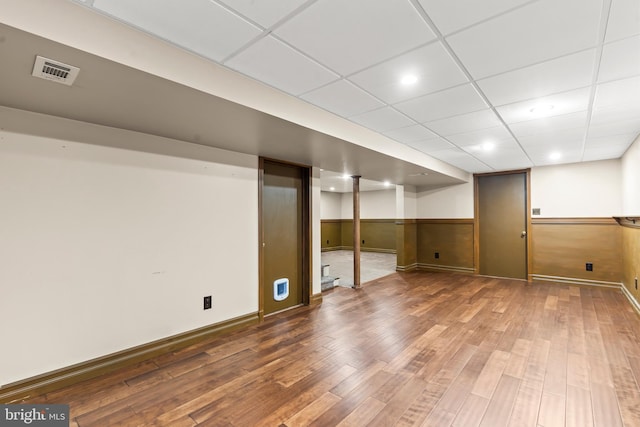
(483, 86)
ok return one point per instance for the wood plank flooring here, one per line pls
(409, 349)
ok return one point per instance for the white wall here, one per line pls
(631, 180)
(373, 204)
(330, 205)
(590, 189)
(410, 202)
(104, 249)
(455, 201)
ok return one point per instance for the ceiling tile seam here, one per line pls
(422, 95)
(163, 39)
(543, 96)
(455, 57)
(347, 77)
(265, 31)
(604, 20)
(391, 58)
(482, 21)
(533, 64)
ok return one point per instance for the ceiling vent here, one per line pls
(55, 71)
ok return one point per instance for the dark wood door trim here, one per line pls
(476, 219)
(307, 289)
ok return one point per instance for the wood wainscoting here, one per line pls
(406, 244)
(631, 260)
(561, 248)
(377, 235)
(451, 239)
(331, 234)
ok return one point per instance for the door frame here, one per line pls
(476, 218)
(306, 287)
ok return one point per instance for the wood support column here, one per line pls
(356, 231)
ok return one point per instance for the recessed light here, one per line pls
(386, 183)
(488, 146)
(346, 176)
(409, 79)
(556, 155)
(541, 109)
(332, 188)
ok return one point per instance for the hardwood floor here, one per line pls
(409, 349)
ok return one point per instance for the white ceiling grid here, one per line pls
(497, 84)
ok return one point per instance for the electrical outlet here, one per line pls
(363, 241)
(327, 242)
(437, 255)
(207, 302)
(636, 283)
(589, 266)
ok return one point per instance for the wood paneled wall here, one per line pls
(379, 235)
(631, 257)
(561, 247)
(331, 234)
(452, 239)
(406, 244)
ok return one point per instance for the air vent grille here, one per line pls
(56, 71)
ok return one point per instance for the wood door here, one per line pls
(283, 233)
(501, 206)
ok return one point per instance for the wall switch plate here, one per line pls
(589, 266)
(207, 302)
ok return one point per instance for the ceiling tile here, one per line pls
(461, 159)
(603, 128)
(349, 36)
(453, 15)
(447, 103)
(542, 156)
(430, 145)
(276, 64)
(620, 60)
(342, 98)
(547, 106)
(611, 147)
(618, 94)
(560, 140)
(479, 137)
(536, 32)
(264, 12)
(431, 65)
(624, 19)
(191, 25)
(411, 133)
(477, 120)
(383, 119)
(504, 156)
(558, 75)
(548, 125)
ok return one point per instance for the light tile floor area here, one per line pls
(373, 265)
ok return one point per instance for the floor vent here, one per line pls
(55, 71)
